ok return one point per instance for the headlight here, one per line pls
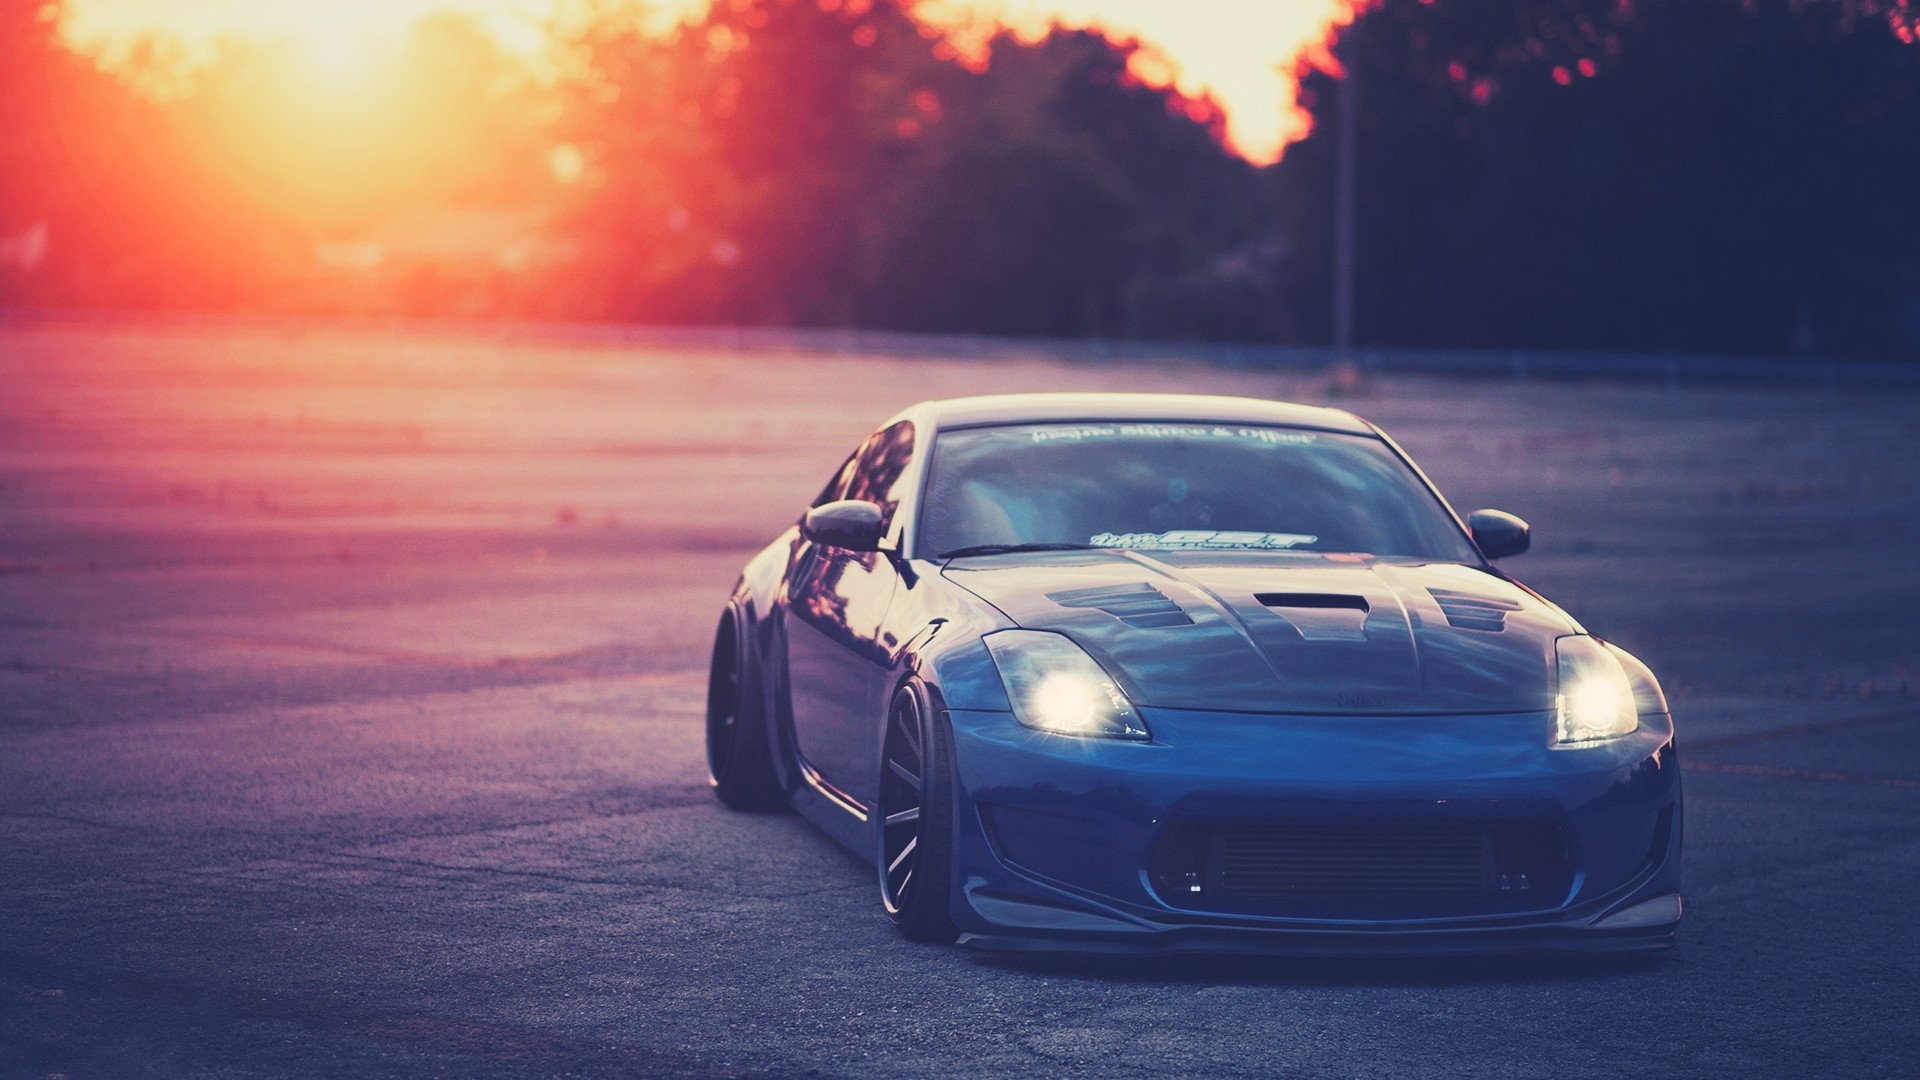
(1057, 687)
(1594, 699)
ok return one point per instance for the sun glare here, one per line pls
(334, 56)
(1238, 53)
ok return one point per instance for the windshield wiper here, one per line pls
(1004, 549)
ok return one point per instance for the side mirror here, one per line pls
(849, 523)
(1498, 533)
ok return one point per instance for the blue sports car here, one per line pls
(1118, 672)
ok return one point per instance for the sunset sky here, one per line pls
(1236, 50)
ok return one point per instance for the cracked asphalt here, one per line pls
(350, 691)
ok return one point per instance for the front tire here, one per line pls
(916, 819)
(739, 757)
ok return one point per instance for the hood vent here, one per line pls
(1136, 605)
(1320, 616)
(1321, 601)
(1466, 611)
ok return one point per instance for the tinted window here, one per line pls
(1154, 485)
(882, 461)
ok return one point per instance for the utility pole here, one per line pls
(1343, 185)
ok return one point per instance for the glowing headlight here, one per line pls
(1057, 687)
(1594, 700)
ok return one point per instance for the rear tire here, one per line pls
(916, 819)
(739, 756)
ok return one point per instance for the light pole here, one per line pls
(1343, 184)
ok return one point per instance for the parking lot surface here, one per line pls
(350, 724)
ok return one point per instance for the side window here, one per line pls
(837, 484)
(881, 463)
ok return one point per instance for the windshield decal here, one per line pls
(1078, 432)
(1202, 538)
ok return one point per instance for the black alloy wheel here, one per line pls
(916, 827)
(738, 757)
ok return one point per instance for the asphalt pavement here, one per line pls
(350, 691)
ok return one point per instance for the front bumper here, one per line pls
(1062, 844)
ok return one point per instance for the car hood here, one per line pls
(1292, 633)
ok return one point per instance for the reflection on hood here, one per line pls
(1324, 634)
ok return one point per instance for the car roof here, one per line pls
(1207, 408)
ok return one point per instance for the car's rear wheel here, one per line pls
(739, 758)
(916, 827)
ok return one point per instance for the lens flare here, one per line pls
(1595, 701)
(1067, 703)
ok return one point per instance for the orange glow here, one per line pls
(1236, 54)
(334, 59)
(336, 26)
(554, 158)
(1153, 67)
(1239, 55)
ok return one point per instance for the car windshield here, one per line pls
(1180, 486)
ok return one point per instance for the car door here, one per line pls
(836, 601)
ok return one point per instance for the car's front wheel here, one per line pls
(916, 827)
(739, 757)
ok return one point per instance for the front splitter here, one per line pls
(1302, 943)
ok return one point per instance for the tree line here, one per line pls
(1732, 176)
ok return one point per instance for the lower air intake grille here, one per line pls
(1407, 870)
(1267, 862)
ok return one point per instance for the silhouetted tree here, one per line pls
(80, 171)
(736, 162)
(831, 164)
(1700, 175)
(1063, 197)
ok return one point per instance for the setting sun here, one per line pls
(335, 55)
(1236, 53)
(338, 24)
